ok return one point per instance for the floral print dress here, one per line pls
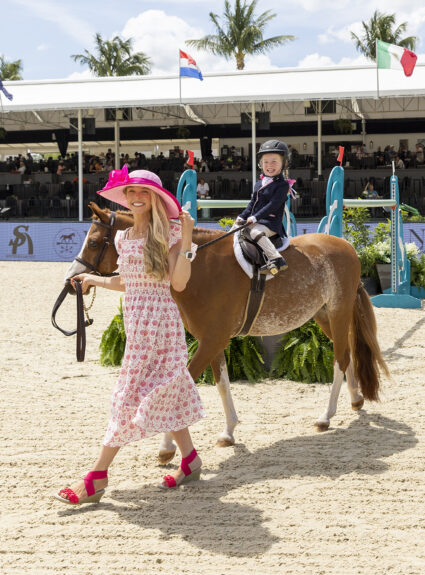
(155, 391)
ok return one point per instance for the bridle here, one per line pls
(94, 268)
(105, 244)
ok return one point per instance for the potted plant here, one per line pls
(417, 276)
(357, 232)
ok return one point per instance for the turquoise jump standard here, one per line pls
(399, 296)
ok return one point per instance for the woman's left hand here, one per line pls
(187, 223)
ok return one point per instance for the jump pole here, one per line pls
(186, 196)
(399, 294)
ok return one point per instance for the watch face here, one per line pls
(189, 255)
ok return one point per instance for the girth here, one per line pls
(254, 254)
(254, 302)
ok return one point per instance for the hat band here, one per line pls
(141, 182)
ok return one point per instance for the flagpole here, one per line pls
(377, 68)
(180, 81)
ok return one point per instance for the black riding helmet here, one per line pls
(273, 147)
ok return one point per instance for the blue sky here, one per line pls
(44, 33)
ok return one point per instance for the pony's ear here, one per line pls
(101, 214)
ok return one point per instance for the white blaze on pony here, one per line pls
(323, 282)
(77, 267)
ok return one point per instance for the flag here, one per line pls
(340, 155)
(5, 92)
(191, 159)
(188, 66)
(393, 56)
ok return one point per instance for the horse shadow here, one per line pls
(199, 514)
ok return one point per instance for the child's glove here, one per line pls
(239, 221)
(251, 220)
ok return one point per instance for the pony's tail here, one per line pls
(365, 352)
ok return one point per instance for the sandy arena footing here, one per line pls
(284, 500)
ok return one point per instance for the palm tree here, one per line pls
(240, 34)
(380, 27)
(10, 70)
(114, 58)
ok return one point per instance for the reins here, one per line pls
(222, 237)
(81, 324)
(81, 308)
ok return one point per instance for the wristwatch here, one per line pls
(187, 254)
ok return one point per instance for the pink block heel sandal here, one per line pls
(189, 475)
(92, 496)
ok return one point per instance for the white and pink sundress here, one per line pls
(155, 391)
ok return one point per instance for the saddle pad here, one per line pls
(245, 265)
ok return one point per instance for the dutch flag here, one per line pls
(188, 66)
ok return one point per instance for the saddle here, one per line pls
(255, 256)
(252, 250)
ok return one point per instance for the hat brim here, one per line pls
(117, 195)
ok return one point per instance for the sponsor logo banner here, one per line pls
(61, 242)
(49, 242)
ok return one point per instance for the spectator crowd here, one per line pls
(230, 159)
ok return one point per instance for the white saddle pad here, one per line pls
(245, 265)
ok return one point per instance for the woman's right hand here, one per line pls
(85, 279)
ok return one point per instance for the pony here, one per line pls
(322, 282)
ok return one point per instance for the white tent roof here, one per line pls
(292, 84)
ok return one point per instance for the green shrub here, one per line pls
(112, 344)
(382, 231)
(305, 354)
(417, 271)
(243, 359)
(226, 223)
(354, 225)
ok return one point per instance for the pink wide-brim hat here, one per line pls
(121, 179)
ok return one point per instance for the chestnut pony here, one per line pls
(322, 282)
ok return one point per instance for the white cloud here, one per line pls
(317, 61)
(322, 5)
(343, 34)
(160, 36)
(62, 17)
(84, 75)
(42, 47)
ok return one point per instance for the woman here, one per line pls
(154, 392)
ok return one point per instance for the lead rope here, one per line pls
(88, 308)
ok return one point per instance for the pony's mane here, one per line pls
(204, 235)
(120, 213)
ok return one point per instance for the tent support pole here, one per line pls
(319, 140)
(253, 145)
(80, 166)
(117, 144)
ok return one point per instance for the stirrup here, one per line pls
(274, 266)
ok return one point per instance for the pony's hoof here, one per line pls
(357, 404)
(321, 426)
(165, 457)
(225, 442)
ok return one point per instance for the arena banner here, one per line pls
(41, 242)
(61, 241)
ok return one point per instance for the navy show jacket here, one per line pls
(268, 204)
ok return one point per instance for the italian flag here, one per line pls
(393, 56)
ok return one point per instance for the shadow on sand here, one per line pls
(198, 514)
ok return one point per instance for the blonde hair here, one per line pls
(156, 247)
